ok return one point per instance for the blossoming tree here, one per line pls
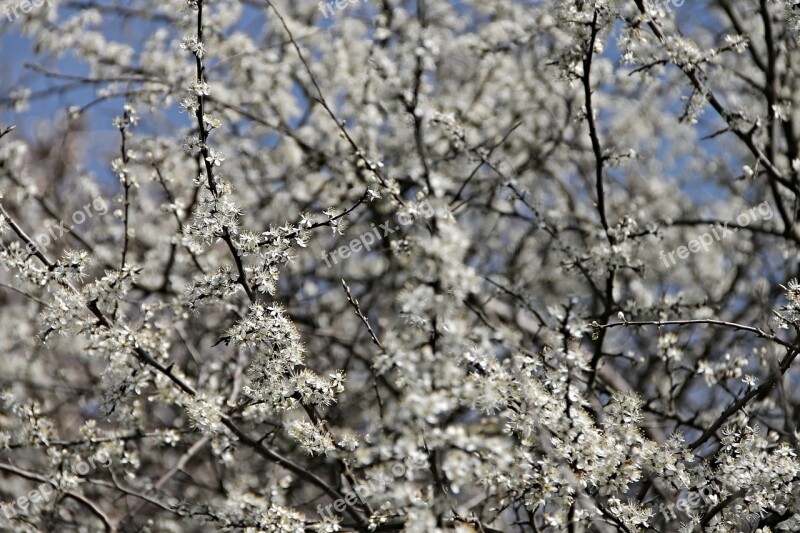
(400, 266)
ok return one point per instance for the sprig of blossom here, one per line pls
(315, 440)
(191, 43)
(205, 414)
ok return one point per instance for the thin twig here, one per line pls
(360, 315)
(375, 340)
(6, 131)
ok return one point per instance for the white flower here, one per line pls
(211, 122)
(191, 43)
(305, 220)
(214, 157)
(200, 88)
